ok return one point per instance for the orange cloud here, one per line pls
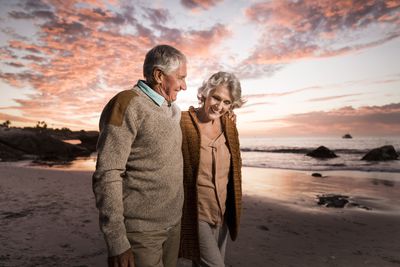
(82, 55)
(12, 118)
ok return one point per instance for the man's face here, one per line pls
(173, 83)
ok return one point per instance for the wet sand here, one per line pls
(283, 226)
(48, 218)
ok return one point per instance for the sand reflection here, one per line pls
(298, 189)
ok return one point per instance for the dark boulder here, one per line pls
(381, 154)
(347, 136)
(41, 145)
(10, 154)
(316, 174)
(322, 153)
(89, 140)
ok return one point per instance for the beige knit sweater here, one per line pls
(139, 170)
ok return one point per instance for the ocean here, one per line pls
(290, 153)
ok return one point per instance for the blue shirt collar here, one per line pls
(158, 99)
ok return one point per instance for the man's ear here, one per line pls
(158, 75)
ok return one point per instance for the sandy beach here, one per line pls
(48, 218)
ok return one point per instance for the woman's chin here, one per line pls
(214, 116)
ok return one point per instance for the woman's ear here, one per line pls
(158, 75)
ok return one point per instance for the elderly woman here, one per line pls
(212, 175)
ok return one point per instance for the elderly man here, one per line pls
(138, 179)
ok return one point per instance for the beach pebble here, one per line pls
(263, 227)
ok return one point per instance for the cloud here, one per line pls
(199, 4)
(13, 118)
(6, 54)
(272, 95)
(33, 58)
(194, 42)
(293, 30)
(44, 14)
(83, 54)
(157, 16)
(366, 120)
(319, 99)
(15, 65)
(250, 71)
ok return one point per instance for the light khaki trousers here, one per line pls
(212, 242)
(156, 248)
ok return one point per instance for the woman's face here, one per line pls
(218, 102)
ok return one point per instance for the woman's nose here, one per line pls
(219, 105)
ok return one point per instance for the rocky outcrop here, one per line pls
(381, 154)
(39, 144)
(322, 153)
(338, 201)
(10, 154)
(347, 136)
(89, 140)
(335, 201)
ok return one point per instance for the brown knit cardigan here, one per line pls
(189, 247)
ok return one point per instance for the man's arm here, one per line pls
(114, 148)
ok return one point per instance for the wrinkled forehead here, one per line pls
(222, 90)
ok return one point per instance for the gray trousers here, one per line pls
(156, 248)
(212, 241)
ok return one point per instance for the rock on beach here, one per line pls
(322, 152)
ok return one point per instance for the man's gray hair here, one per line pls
(222, 78)
(164, 57)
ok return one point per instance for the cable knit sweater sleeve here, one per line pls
(117, 133)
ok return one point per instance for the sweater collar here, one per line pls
(158, 99)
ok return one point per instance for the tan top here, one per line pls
(213, 179)
(189, 247)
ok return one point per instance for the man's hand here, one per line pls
(122, 260)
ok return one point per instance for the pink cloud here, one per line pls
(319, 99)
(366, 120)
(273, 95)
(13, 118)
(82, 56)
(293, 30)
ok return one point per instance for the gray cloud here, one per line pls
(199, 4)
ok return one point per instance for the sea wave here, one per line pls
(303, 150)
(328, 167)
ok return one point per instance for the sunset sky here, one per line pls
(307, 68)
